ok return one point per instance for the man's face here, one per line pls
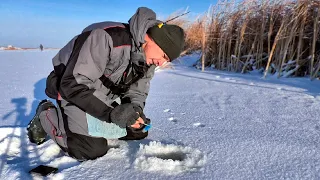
(154, 54)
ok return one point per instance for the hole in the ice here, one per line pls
(176, 156)
(115, 146)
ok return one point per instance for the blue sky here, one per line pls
(27, 23)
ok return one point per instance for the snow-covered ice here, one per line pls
(227, 126)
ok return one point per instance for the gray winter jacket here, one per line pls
(100, 55)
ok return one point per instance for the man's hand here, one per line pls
(124, 115)
(139, 122)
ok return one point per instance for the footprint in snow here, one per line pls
(198, 125)
(168, 158)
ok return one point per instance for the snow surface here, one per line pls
(206, 125)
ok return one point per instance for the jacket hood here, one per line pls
(140, 22)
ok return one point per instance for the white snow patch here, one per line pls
(166, 110)
(198, 124)
(173, 119)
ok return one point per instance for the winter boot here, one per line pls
(35, 130)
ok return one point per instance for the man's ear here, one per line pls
(147, 38)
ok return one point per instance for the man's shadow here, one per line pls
(25, 160)
(23, 118)
(39, 95)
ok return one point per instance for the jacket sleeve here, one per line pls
(139, 90)
(91, 53)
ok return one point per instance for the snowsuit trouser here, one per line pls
(67, 126)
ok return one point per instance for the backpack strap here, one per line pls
(131, 75)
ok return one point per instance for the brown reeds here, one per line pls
(278, 37)
(315, 37)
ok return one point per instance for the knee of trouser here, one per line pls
(84, 148)
(49, 121)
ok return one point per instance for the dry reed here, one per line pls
(277, 37)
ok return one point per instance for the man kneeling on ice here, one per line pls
(100, 81)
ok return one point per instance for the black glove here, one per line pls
(136, 134)
(124, 115)
(139, 130)
(145, 120)
(140, 111)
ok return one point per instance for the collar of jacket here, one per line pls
(138, 58)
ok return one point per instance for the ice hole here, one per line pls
(176, 156)
(115, 146)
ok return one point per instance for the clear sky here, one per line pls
(27, 23)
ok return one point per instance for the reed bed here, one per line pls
(274, 37)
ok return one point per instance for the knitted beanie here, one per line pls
(170, 38)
